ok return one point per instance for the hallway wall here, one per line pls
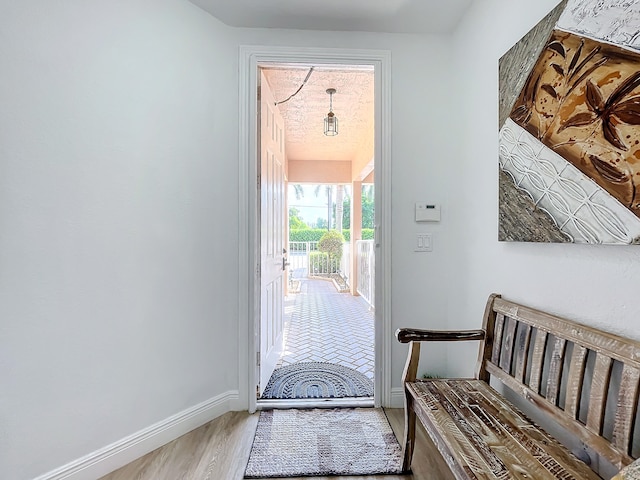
(118, 249)
(595, 284)
(118, 221)
(119, 246)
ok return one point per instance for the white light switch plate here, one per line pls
(424, 242)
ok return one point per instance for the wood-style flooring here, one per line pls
(220, 450)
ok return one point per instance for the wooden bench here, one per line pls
(583, 379)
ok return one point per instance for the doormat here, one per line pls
(317, 380)
(318, 442)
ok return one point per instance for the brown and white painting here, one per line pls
(570, 127)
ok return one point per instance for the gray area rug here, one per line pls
(315, 442)
(317, 380)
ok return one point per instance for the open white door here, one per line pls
(272, 234)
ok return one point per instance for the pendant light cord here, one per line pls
(299, 88)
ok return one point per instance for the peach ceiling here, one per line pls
(353, 105)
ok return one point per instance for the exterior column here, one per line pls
(356, 232)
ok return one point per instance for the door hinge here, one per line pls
(258, 270)
(258, 359)
(258, 177)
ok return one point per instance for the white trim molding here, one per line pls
(250, 58)
(397, 397)
(122, 452)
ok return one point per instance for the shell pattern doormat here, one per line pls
(315, 442)
(317, 380)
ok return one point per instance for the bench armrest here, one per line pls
(406, 335)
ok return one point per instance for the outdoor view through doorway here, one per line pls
(317, 262)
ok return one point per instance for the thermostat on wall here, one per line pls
(427, 212)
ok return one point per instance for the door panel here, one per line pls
(272, 228)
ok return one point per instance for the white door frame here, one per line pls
(249, 235)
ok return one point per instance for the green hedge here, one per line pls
(315, 234)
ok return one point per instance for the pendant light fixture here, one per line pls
(331, 121)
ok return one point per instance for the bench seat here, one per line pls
(481, 435)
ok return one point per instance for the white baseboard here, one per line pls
(122, 452)
(397, 397)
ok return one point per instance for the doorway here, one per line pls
(322, 349)
(251, 59)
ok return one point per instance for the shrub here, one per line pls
(331, 243)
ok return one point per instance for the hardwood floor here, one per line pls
(220, 450)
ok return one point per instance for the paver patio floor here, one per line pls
(323, 325)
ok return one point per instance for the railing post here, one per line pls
(356, 232)
(365, 259)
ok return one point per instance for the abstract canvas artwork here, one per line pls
(569, 142)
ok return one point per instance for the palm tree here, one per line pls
(329, 202)
(298, 190)
(339, 206)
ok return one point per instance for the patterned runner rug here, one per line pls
(315, 442)
(317, 380)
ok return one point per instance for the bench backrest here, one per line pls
(586, 379)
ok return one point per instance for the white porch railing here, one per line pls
(299, 257)
(305, 259)
(365, 256)
(345, 263)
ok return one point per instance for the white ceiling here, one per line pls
(394, 16)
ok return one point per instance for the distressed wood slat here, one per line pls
(534, 435)
(575, 380)
(599, 390)
(486, 344)
(626, 408)
(506, 444)
(485, 457)
(508, 440)
(508, 341)
(595, 441)
(534, 440)
(619, 348)
(555, 370)
(454, 447)
(537, 360)
(497, 341)
(524, 340)
(457, 449)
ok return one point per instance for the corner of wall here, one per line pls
(105, 460)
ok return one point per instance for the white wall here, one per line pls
(118, 225)
(421, 158)
(118, 235)
(118, 251)
(595, 284)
